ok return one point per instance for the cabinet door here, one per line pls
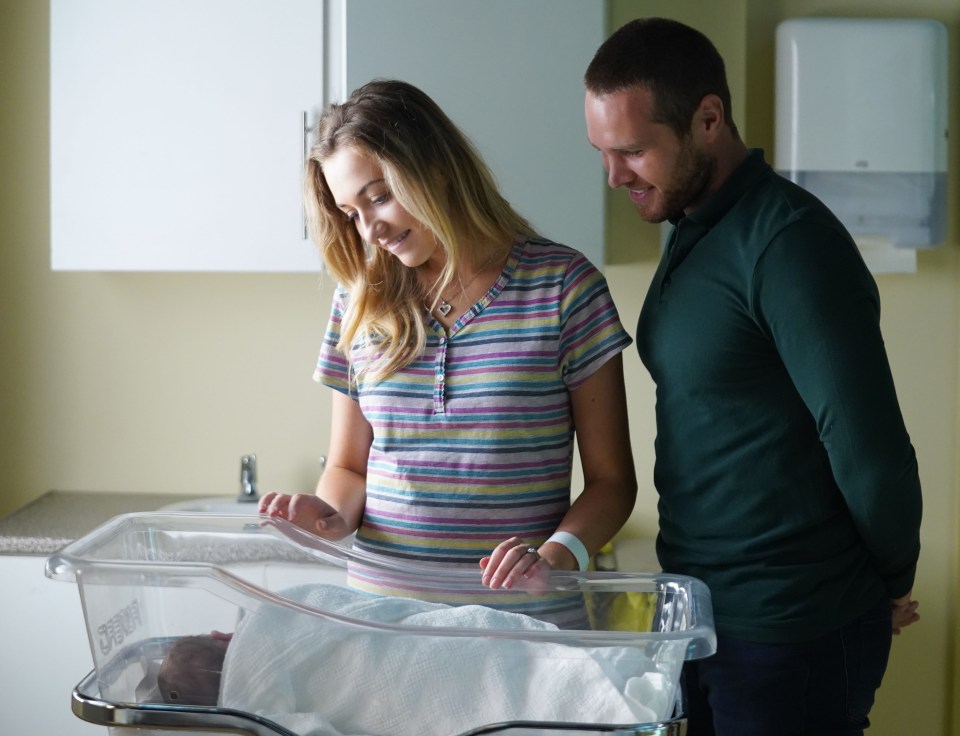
(177, 133)
(510, 74)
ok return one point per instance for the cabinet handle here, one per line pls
(304, 139)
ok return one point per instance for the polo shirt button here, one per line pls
(667, 281)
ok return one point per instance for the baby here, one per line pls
(191, 669)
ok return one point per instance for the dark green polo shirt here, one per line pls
(786, 477)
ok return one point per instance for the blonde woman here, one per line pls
(465, 354)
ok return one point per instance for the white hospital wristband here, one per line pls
(574, 545)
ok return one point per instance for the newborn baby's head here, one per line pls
(191, 669)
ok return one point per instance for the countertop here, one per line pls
(57, 518)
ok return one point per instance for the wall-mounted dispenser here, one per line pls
(861, 122)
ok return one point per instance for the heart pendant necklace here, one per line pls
(444, 306)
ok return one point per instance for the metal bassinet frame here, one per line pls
(89, 706)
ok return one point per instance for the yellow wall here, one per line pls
(137, 382)
(159, 382)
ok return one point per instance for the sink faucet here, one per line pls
(248, 479)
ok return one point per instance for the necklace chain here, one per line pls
(445, 305)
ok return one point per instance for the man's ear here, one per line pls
(709, 117)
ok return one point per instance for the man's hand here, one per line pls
(904, 612)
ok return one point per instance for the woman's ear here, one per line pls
(439, 178)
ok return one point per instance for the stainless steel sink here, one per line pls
(215, 505)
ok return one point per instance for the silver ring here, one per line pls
(532, 551)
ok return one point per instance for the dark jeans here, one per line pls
(823, 687)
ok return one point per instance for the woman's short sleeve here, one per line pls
(590, 332)
(333, 368)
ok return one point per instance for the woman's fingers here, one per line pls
(511, 563)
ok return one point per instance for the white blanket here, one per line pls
(319, 677)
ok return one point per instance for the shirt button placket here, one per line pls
(439, 385)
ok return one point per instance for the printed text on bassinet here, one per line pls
(123, 623)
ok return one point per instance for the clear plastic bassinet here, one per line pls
(304, 653)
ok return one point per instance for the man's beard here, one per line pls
(692, 174)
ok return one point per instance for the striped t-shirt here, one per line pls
(473, 440)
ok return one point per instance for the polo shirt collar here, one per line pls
(690, 229)
(716, 206)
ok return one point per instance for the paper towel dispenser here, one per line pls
(861, 122)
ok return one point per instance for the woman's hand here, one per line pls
(306, 511)
(516, 564)
(904, 612)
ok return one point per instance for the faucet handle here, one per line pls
(248, 478)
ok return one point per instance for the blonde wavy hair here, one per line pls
(436, 175)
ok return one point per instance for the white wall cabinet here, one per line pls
(510, 73)
(177, 126)
(177, 133)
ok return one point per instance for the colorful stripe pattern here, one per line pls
(473, 441)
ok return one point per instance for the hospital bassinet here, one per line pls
(148, 580)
